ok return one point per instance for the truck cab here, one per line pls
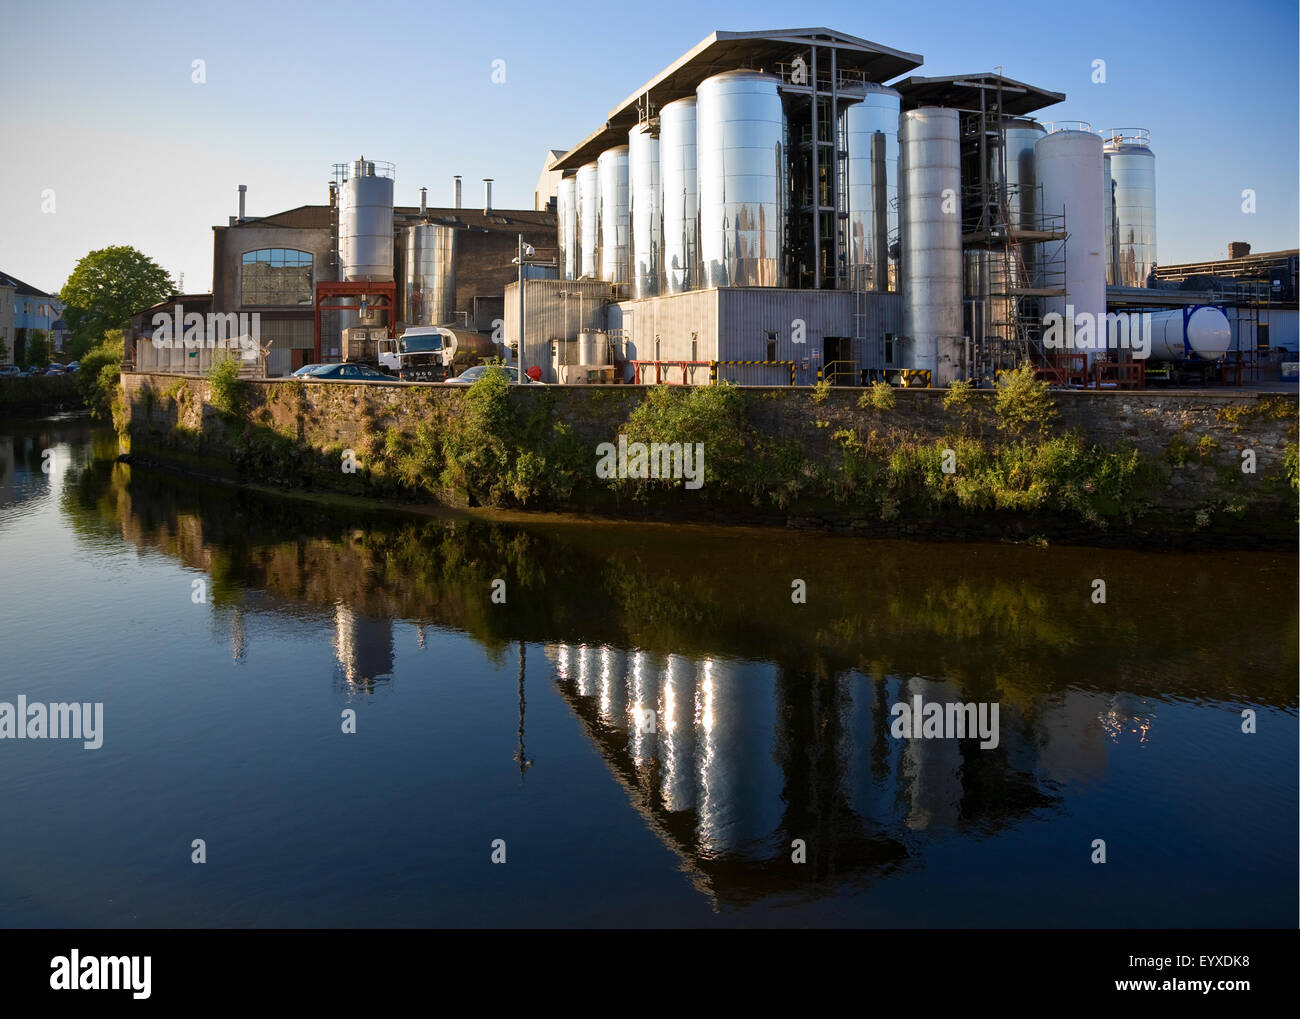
(420, 354)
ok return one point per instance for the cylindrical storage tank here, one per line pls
(870, 130)
(1108, 198)
(1069, 165)
(930, 242)
(1020, 181)
(1133, 169)
(566, 228)
(589, 221)
(366, 225)
(615, 256)
(1203, 333)
(593, 348)
(647, 219)
(740, 149)
(679, 180)
(429, 288)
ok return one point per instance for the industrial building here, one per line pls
(777, 207)
(794, 205)
(357, 262)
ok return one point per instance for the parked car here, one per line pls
(471, 375)
(73, 365)
(9, 371)
(56, 369)
(345, 373)
(307, 369)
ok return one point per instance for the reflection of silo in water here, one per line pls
(562, 656)
(363, 646)
(613, 686)
(930, 770)
(677, 733)
(740, 780)
(587, 672)
(642, 707)
(856, 738)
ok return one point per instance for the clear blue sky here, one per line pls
(98, 103)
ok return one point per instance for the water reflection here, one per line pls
(737, 726)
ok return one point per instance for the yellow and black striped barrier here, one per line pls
(713, 368)
(915, 378)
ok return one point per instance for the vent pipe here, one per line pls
(424, 201)
(456, 179)
(487, 195)
(243, 190)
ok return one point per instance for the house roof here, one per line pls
(726, 51)
(20, 287)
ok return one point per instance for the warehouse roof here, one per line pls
(317, 217)
(962, 92)
(726, 51)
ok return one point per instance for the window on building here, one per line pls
(771, 346)
(889, 348)
(276, 276)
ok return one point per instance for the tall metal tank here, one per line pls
(741, 151)
(1021, 179)
(1070, 168)
(566, 228)
(646, 211)
(1108, 197)
(589, 221)
(366, 223)
(870, 131)
(1133, 168)
(615, 224)
(679, 180)
(930, 242)
(429, 283)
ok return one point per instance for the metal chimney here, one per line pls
(243, 190)
(424, 201)
(457, 180)
(487, 195)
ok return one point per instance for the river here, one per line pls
(642, 725)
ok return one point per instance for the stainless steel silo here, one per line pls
(366, 224)
(930, 242)
(615, 225)
(646, 213)
(589, 221)
(429, 283)
(1133, 169)
(1070, 167)
(741, 152)
(1108, 198)
(679, 180)
(870, 131)
(566, 228)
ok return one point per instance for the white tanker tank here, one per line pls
(1183, 334)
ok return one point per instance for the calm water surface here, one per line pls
(519, 721)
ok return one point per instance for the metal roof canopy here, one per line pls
(962, 92)
(729, 51)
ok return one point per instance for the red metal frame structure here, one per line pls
(326, 290)
(639, 366)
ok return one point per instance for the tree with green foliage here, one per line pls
(99, 375)
(105, 289)
(36, 351)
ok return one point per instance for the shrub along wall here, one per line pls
(1023, 463)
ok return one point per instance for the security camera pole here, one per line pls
(519, 353)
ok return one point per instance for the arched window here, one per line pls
(275, 276)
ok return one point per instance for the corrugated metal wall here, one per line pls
(674, 327)
(554, 309)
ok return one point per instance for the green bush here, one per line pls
(99, 375)
(1024, 402)
(879, 396)
(36, 351)
(226, 389)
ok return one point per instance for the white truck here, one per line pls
(420, 354)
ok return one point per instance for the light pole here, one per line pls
(519, 355)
